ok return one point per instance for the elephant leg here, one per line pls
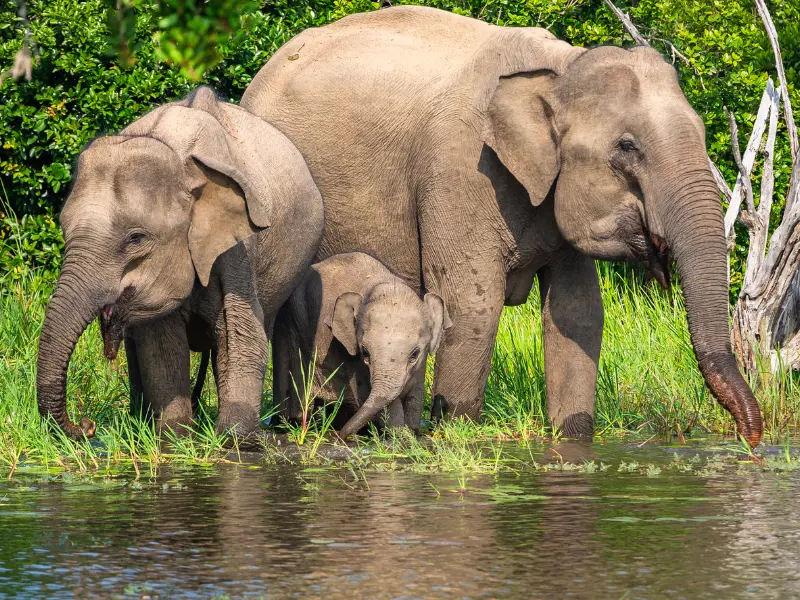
(281, 383)
(285, 374)
(413, 403)
(162, 353)
(242, 356)
(572, 327)
(137, 408)
(473, 292)
(394, 414)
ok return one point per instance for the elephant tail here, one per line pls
(200, 381)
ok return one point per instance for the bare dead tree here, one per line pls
(772, 34)
(766, 318)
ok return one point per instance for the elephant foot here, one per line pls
(241, 422)
(254, 441)
(176, 417)
(578, 425)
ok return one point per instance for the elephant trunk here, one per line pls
(70, 311)
(382, 394)
(693, 227)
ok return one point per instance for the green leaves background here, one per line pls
(100, 64)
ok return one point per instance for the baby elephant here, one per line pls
(368, 324)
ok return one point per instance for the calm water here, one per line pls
(280, 532)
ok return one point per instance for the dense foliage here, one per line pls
(81, 87)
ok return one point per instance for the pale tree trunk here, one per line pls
(766, 318)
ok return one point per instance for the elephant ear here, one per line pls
(518, 66)
(238, 167)
(222, 215)
(440, 319)
(520, 128)
(343, 320)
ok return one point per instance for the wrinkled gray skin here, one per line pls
(368, 327)
(470, 158)
(152, 230)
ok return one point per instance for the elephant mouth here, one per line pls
(651, 250)
(112, 329)
(113, 319)
(658, 260)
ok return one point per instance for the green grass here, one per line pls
(649, 384)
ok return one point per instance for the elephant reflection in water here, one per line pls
(283, 532)
(543, 534)
(608, 534)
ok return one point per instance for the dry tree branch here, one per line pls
(793, 197)
(720, 181)
(759, 231)
(675, 52)
(629, 26)
(744, 172)
(750, 152)
(772, 33)
(768, 176)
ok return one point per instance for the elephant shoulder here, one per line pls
(509, 51)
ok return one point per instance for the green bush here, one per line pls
(79, 89)
(34, 241)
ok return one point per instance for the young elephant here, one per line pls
(185, 231)
(368, 324)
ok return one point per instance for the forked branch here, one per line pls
(772, 34)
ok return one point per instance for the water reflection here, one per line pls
(277, 532)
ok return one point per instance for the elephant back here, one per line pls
(394, 61)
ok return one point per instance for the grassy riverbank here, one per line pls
(649, 384)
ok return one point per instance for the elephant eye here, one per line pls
(626, 145)
(365, 354)
(412, 358)
(135, 238)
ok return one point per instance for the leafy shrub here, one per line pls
(79, 89)
(32, 242)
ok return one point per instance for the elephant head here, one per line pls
(392, 331)
(612, 142)
(150, 210)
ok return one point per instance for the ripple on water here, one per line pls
(281, 532)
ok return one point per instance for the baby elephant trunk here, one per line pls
(381, 396)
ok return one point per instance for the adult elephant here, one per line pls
(152, 229)
(470, 158)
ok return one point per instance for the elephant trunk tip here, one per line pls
(86, 428)
(346, 431)
(733, 393)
